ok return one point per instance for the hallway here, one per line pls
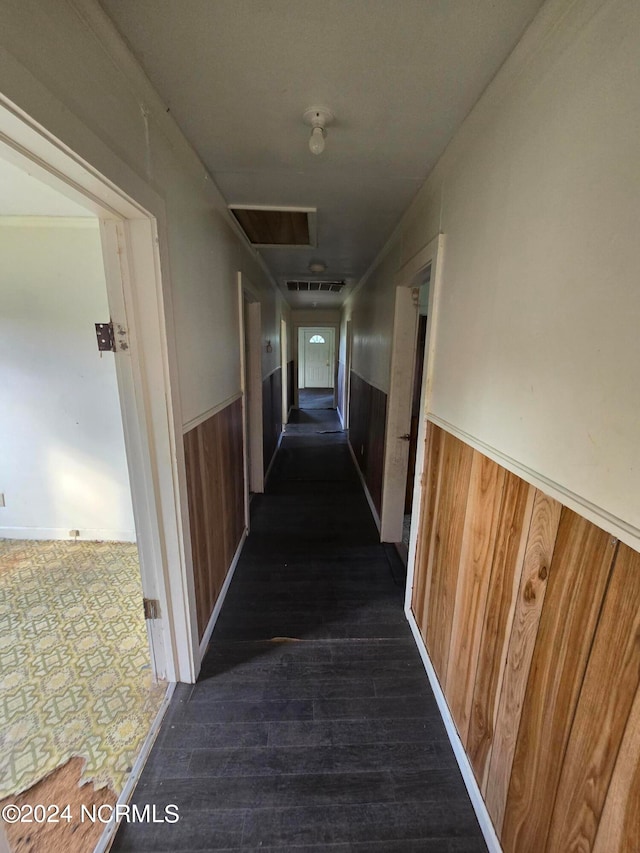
(312, 725)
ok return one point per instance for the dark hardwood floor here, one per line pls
(312, 726)
(315, 398)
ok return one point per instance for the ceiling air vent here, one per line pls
(276, 227)
(316, 286)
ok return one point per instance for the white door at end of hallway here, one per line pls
(317, 361)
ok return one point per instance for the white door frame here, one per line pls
(147, 374)
(251, 386)
(398, 426)
(314, 327)
(304, 334)
(399, 404)
(284, 370)
(432, 254)
(348, 350)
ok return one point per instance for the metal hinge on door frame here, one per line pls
(111, 337)
(151, 608)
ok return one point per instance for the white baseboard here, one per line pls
(204, 642)
(367, 493)
(464, 764)
(62, 533)
(109, 832)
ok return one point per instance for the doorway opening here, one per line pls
(143, 353)
(409, 398)
(416, 397)
(79, 688)
(284, 364)
(316, 367)
(344, 375)
(251, 386)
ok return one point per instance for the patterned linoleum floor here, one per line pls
(75, 676)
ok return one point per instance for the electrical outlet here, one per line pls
(74, 534)
(2, 503)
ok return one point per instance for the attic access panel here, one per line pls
(276, 227)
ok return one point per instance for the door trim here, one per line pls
(432, 254)
(398, 425)
(346, 396)
(147, 380)
(251, 387)
(284, 366)
(300, 327)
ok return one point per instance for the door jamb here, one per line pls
(346, 401)
(284, 374)
(398, 421)
(335, 327)
(251, 385)
(432, 254)
(147, 381)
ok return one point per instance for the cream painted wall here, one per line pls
(314, 316)
(538, 197)
(63, 62)
(372, 313)
(63, 463)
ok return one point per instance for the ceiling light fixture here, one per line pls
(317, 267)
(318, 118)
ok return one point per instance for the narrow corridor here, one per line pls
(312, 726)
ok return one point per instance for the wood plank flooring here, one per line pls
(312, 726)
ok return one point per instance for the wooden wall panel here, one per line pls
(367, 423)
(516, 510)
(481, 522)
(540, 543)
(610, 685)
(531, 617)
(445, 556)
(271, 414)
(578, 576)
(215, 489)
(375, 445)
(619, 828)
(358, 415)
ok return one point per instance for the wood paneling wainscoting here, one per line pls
(367, 420)
(271, 414)
(215, 488)
(531, 618)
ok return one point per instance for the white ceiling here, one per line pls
(399, 75)
(23, 195)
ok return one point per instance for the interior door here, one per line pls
(317, 360)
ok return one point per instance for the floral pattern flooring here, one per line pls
(75, 675)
